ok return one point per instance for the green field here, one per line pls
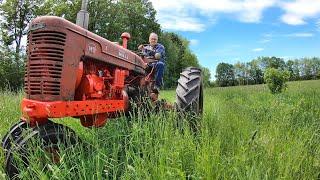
(246, 133)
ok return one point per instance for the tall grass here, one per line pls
(246, 133)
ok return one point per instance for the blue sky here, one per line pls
(241, 30)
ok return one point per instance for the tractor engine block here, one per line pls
(99, 81)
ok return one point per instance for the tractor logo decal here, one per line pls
(123, 55)
(92, 48)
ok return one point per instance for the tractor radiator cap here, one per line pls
(125, 35)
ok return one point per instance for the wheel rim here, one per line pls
(13, 134)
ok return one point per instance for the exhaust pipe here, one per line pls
(83, 15)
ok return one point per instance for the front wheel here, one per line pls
(50, 137)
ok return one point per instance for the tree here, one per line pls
(315, 68)
(62, 8)
(308, 69)
(110, 18)
(173, 65)
(225, 74)
(296, 69)
(276, 79)
(206, 76)
(139, 20)
(255, 72)
(290, 69)
(178, 56)
(11, 73)
(16, 16)
(240, 73)
(271, 62)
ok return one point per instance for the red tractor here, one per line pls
(71, 72)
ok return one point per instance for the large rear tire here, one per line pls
(189, 98)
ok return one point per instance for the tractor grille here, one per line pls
(44, 64)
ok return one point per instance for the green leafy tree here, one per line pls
(290, 69)
(255, 72)
(173, 65)
(271, 62)
(16, 15)
(225, 74)
(276, 79)
(109, 19)
(206, 76)
(316, 68)
(178, 56)
(306, 68)
(296, 69)
(11, 73)
(240, 73)
(139, 20)
(62, 8)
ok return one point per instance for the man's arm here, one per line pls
(160, 49)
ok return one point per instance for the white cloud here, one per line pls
(302, 35)
(266, 38)
(298, 11)
(258, 49)
(318, 25)
(194, 42)
(263, 41)
(184, 15)
(181, 23)
(292, 19)
(253, 10)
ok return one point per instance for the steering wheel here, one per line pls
(140, 52)
(144, 46)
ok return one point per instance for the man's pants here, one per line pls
(159, 68)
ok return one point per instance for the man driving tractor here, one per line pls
(157, 51)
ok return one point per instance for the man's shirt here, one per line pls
(158, 48)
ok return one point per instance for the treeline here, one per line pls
(253, 72)
(108, 18)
